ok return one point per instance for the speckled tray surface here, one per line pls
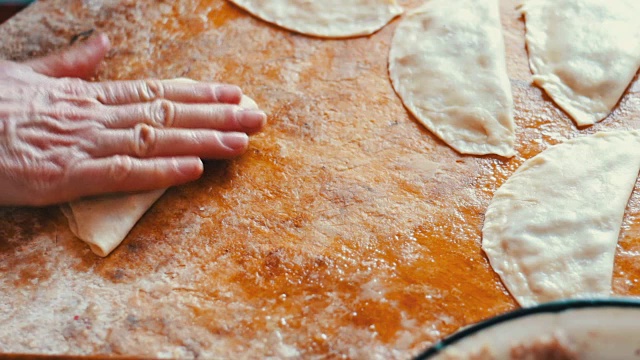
(347, 230)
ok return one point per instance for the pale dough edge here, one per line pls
(365, 31)
(490, 237)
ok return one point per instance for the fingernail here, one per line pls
(235, 141)
(228, 94)
(251, 119)
(189, 168)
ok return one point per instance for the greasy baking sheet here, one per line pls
(347, 229)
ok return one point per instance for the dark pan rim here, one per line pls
(551, 307)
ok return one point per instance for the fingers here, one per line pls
(138, 91)
(80, 60)
(165, 114)
(127, 174)
(145, 141)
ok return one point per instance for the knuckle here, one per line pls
(230, 115)
(106, 93)
(162, 113)
(89, 141)
(144, 140)
(76, 90)
(120, 169)
(65, 114)
(72, 85)
(151, 90)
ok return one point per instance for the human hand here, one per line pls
(62, 138)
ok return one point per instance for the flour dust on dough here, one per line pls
(103, 222)
(583, 53)
(551, 230)
(447, 64)
(326, 18)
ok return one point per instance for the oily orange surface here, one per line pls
(346, 231)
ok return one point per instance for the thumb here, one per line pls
(81, 60)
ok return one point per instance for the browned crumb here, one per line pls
(544, 348)
(547, 349)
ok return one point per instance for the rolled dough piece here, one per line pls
(326, 18)
(583, 53)
(551, 230)
(103, 222)
(447, 63)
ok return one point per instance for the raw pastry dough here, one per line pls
(325, 18)
(551, 230)
(583, 53)
(103, 222)
(447, 63)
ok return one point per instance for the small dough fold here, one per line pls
(447, 64)
(551, 229)
(103, 222)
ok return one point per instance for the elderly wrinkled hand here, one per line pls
(62, 138)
